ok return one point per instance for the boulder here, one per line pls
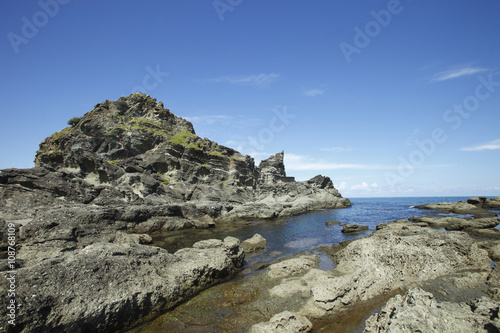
(353, 228)
(256, 243)
(284, 322)
(418, 311)
(104, 286)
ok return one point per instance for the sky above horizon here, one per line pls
(387, 98)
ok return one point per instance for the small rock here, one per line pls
(256, 243)
(332, 222)
(353, 228)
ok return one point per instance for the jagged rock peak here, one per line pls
(272, 169)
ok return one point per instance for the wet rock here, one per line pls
(353, 228)
(418, 311)
(460, 207)
(116, 284)
(292, 267)
(256, 243)
(479, 223)
(284, 322)
(332, 222)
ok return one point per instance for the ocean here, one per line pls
(287, 236)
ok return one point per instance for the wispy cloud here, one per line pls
(335, 149)
(313, 92)
(209, 119)
(246, 79)
(222, 119)
(492, 145)
(456, 72)
(306, 163)
(301, 163)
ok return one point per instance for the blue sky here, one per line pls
(388, 98)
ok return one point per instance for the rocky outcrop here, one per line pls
(457, 223)
(133, 151)
(484, 202)
(472, 206)
(419, 311)
(104, 286)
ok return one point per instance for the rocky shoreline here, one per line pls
(82, 216)
(418, 276)
(84, 262)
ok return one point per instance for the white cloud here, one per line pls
(209, 119)
(248, 79)
(457, 72)
(492, 145)
(226, 120)
(335, 149)
(342, 186)
(364, 186)
(301, 163)
(313, 92)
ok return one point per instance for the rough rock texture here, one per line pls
(332, 222)
(398, 255)
(105, 286)
(392, 258)
(418, 311)
(284, 322)
(256, 243)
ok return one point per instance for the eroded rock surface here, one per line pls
(105, 286)
(418, 311)
(284, 322)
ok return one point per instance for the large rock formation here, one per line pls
(99, 187)
(133, 151)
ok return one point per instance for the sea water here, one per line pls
(287, 236)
